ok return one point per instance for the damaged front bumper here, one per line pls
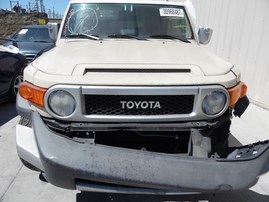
(92, 167)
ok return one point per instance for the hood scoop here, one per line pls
(94, 69)
(139, 70)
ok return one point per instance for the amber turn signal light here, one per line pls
(32, 93)
(237, 92)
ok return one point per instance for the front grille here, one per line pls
(129, 104)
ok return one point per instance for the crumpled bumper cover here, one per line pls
(66, 162)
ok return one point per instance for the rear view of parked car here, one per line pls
(12, 64)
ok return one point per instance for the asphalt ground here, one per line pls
(17, 183)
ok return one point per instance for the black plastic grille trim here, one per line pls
(111, 104)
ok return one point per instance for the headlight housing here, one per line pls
(61, 103)
(214, 103)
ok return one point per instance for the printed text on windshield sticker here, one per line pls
(176, 12)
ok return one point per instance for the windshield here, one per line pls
(33, 35)
(118, 20)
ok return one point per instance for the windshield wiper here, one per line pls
(125, 36)
(81, 35)
(164, 36)
(40, 41)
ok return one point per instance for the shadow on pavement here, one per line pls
(7, 111)
(243, 196)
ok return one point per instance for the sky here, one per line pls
(59, 5)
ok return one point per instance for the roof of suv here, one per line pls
(126, 1)
(35, 26)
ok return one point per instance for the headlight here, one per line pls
(62, 103)
(214, 103)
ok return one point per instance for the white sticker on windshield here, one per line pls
(23, 31)
(177, 12)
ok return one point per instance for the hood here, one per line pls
(9, 49)
(76, 56)
(33, 48)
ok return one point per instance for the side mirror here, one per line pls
(10, 46)
(53, 30)
(14, 42)
(204, 35)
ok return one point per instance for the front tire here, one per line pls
(14, 86)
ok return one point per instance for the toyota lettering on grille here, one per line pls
(140, 105)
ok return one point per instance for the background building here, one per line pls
(240, 35)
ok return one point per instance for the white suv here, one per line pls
(129, 102)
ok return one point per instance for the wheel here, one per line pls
(14, 86)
